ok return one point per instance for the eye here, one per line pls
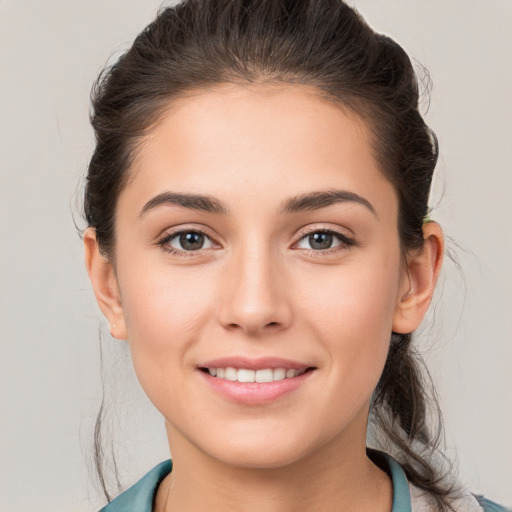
(323, 240)
(186, 241)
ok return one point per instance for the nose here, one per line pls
(255, 297)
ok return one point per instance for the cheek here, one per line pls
(351, 311)
(166, 309)
(356, 299)
(167, 312)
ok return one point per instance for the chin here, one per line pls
(259, 459)
(262, 452)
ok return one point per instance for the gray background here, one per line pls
(50, 52)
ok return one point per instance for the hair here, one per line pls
(328, 46)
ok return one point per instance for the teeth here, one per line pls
(246, 375)
(279, 374)
(231, 374)
(263, 375)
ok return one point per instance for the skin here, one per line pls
(259, 288)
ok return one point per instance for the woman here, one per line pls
(257, 206)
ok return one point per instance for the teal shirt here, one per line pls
(140, 497)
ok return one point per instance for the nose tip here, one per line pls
(255, 311)
(254, 322)
(255, 300)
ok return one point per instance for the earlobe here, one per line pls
(423, 268)
(104, 283)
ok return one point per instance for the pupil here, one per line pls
(192, 241)
(320, 240)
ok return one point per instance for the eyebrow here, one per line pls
(192, 201)
(303, 202)
(322, 199)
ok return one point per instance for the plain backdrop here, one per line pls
(50, 53)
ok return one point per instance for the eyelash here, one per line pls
(164, 241)
(345, 242)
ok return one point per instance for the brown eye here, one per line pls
(190, 241)
(321, 240)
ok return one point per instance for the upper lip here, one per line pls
(259, 363)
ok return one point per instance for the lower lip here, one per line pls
(255, 392)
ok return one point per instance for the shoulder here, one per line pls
(423, 501)
(490, 506)
(140, 497)
(409, 498)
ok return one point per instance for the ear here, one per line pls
(104, 283)
(417, 288)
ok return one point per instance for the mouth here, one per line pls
(255, 381)
(261, 375)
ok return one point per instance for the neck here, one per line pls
(335, 477)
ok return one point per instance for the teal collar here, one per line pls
(140, 497)
(401, 494)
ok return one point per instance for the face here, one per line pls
(257, 241)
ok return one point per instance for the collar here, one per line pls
(140, 497)
(401, 493)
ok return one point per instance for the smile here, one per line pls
(255, 381)
(261, 375)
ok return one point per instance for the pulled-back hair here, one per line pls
(323, 44)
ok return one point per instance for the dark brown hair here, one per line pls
(323, 44)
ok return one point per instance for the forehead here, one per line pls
(263, 142)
